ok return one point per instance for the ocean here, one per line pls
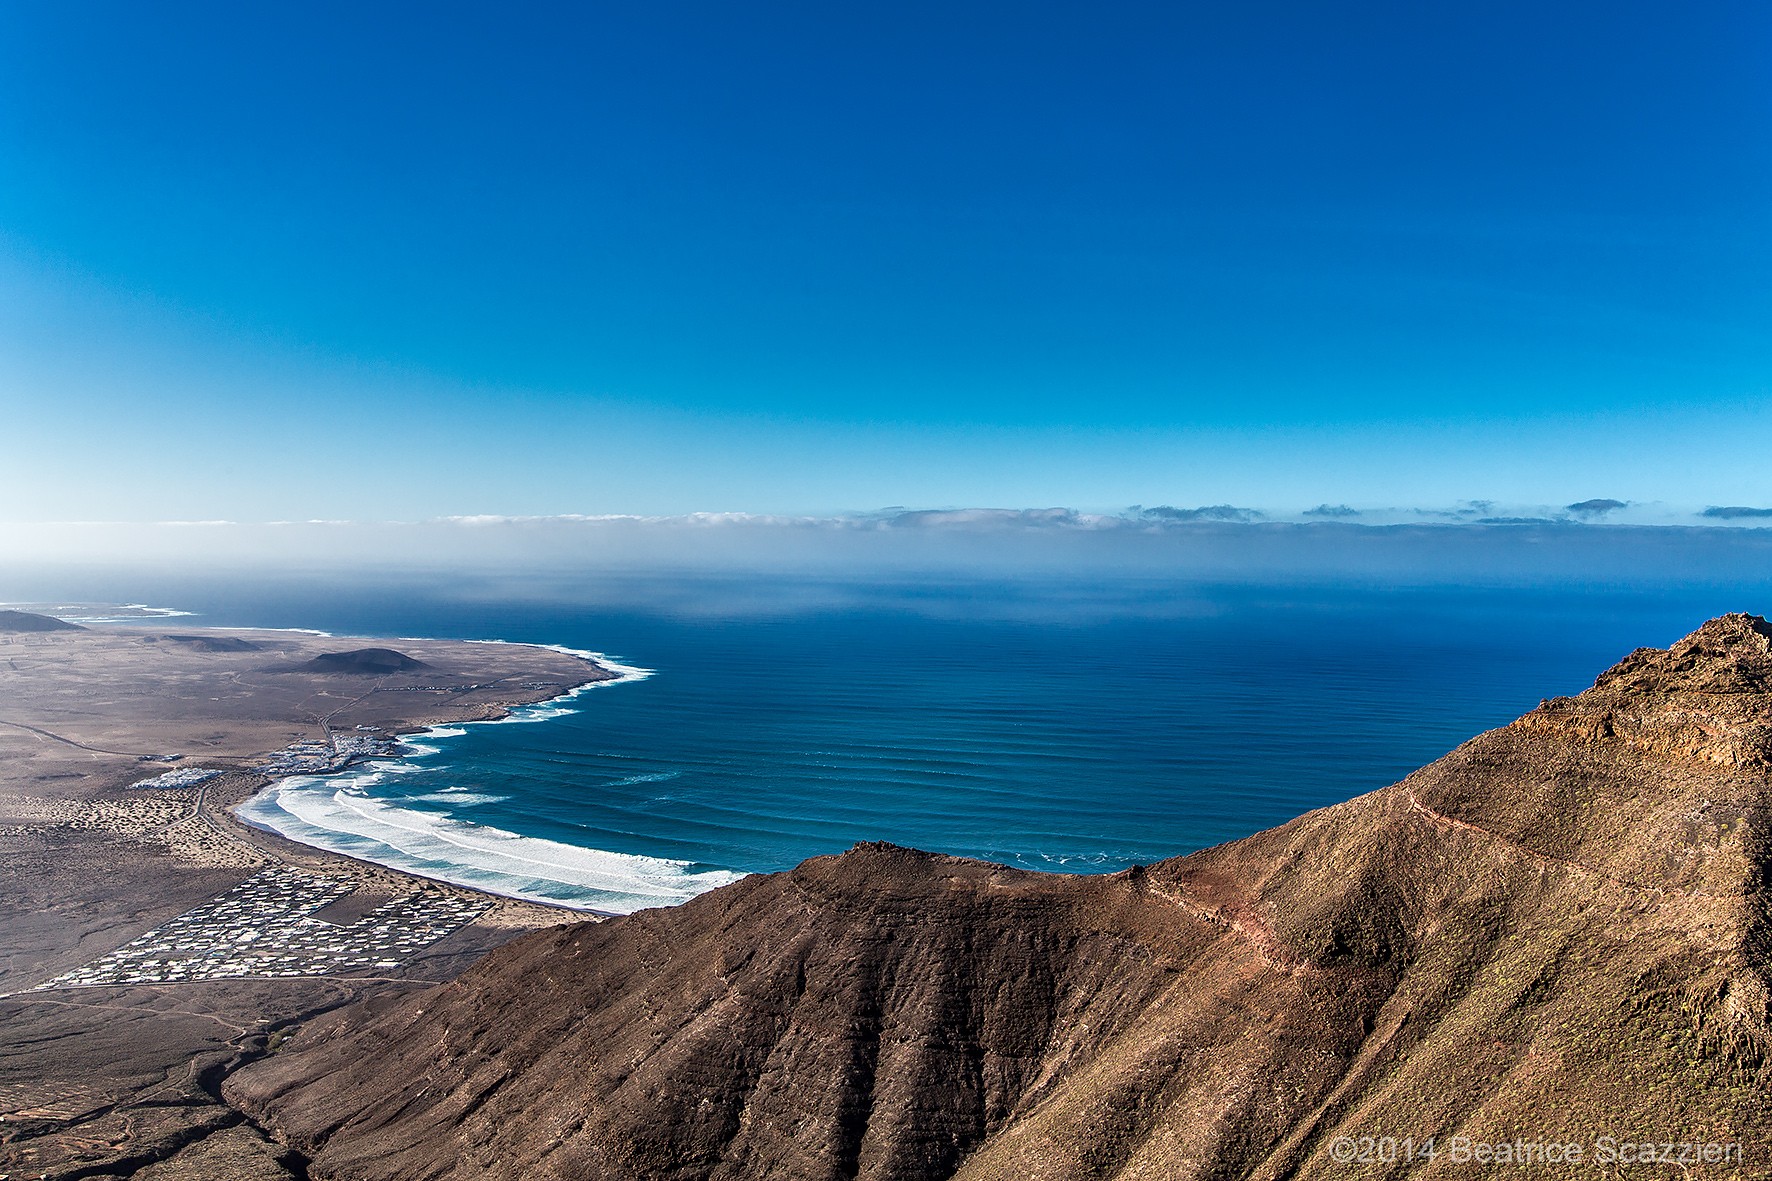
(1066, 725)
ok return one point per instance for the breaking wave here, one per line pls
(319, 810)
(341, 813)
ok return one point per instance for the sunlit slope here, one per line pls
(1556, 932)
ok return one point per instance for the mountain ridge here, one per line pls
(1559, 929)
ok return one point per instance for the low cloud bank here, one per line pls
(1472, 544)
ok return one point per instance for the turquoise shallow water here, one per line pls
(1038, 727)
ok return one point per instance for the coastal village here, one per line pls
(282, 921)
(326, 757)
(334, 753)
(271, 925)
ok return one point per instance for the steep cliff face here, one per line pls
(1558, 931)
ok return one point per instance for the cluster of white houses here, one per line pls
(183, 777)
(321, 758)
(265, 926)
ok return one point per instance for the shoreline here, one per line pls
(623, 674)
(89, 713)
(150, 938)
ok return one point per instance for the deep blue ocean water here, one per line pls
(1060, 727)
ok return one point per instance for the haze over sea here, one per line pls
(1079, 724)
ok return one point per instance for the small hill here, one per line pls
(25, 621)
(215, 643)
(362, 661)
(1558, 933)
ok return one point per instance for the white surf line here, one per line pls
(622, 876)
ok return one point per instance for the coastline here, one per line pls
(257, 810)
(89, 714)
(150, 939)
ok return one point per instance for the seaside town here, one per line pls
(282, 921)
(335, 754)
(323, 757)
(270, 925)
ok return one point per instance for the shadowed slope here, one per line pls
(1556, 931)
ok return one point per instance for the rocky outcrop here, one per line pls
(1558, 931)
(1705, 700)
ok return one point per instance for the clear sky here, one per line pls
(378, 261)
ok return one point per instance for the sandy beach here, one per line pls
(149, 940)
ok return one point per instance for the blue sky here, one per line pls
(400, 262)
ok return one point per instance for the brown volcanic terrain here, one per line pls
(1557, 932)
